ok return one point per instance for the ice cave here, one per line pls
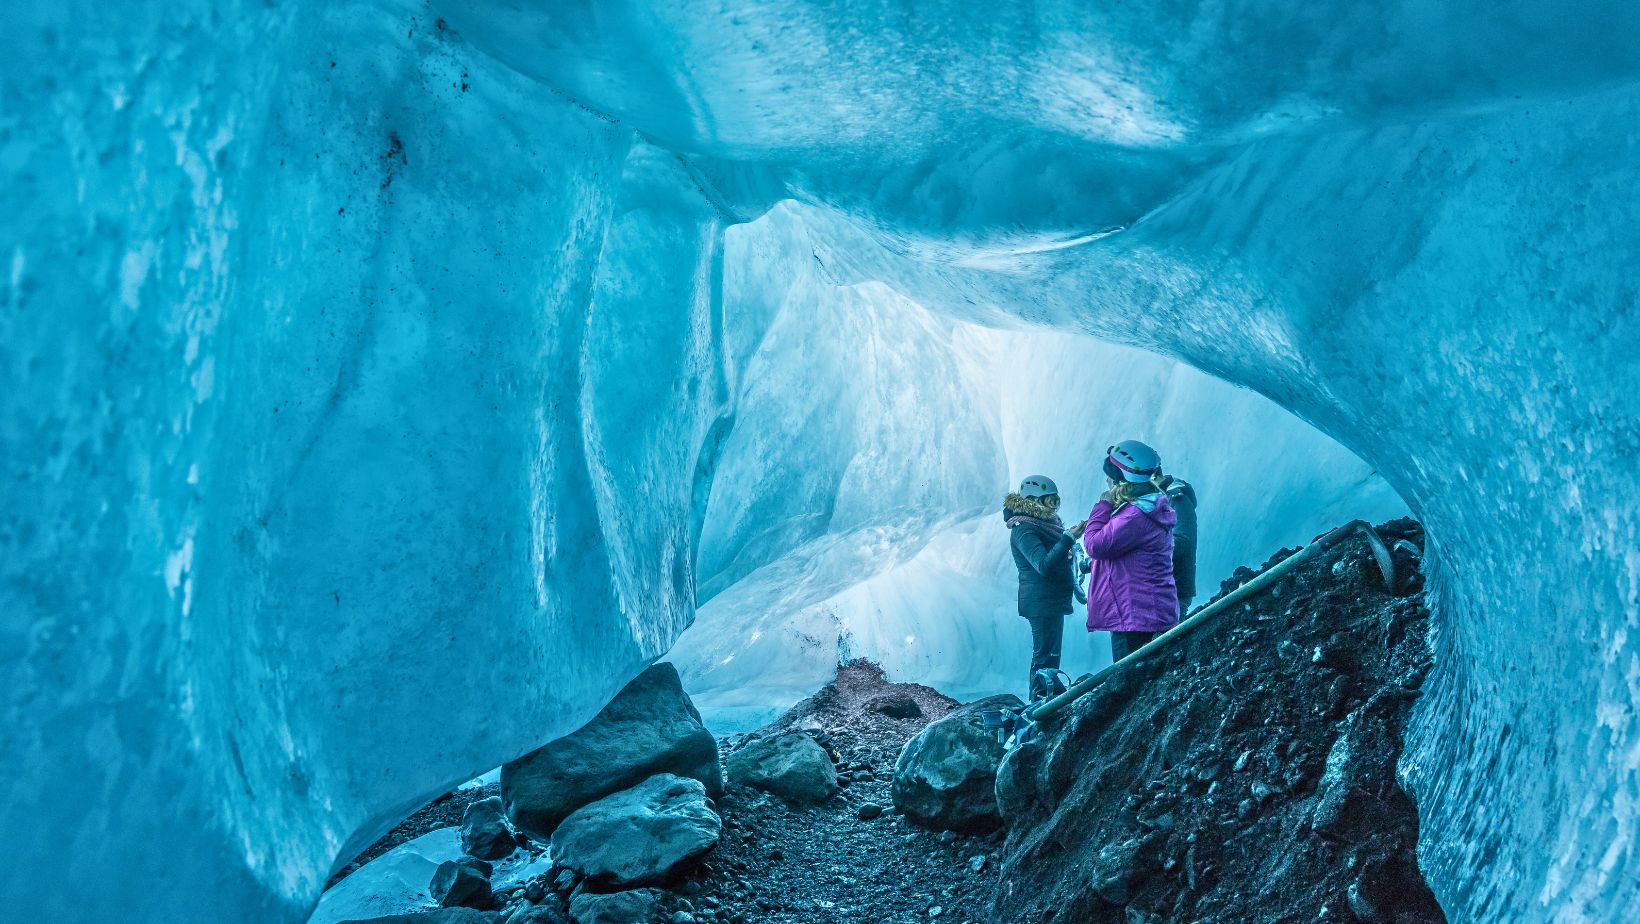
(385, 383)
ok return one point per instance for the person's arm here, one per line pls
(1183, 498)
(1109, 537)
(1038, 551)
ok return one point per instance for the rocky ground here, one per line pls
(840, 861)
(1248, 775)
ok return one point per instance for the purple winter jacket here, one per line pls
(1131, 587)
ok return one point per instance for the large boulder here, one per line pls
(946, 776)
(640, 836)
(639, 906)
(791, 766)
(484, 831)
(650, 727)
(464, 882)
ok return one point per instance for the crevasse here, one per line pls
(348, 347)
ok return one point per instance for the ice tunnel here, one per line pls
(385, 381)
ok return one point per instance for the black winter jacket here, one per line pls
(1183, 497)
(1042, 553)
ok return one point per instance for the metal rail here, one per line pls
(1386, 567)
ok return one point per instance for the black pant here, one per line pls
(1123, 644)
(1047, 634)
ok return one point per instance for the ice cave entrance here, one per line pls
(886, 544)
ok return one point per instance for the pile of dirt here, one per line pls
(825, 864)
(1246, 775)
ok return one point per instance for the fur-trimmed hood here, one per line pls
(1017, 505)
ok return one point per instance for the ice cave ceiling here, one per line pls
(345, 344)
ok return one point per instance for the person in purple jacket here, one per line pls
(1129, 537)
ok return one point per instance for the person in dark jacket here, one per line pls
(1183, 497)
(1042, 552)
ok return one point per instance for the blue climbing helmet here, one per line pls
(1131, 460)
(1038, 486)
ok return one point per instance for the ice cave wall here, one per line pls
(244, 639)
(320, 380)
(1408, 224)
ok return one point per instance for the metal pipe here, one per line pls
(1276, 572)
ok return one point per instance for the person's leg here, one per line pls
(1123, 644)
(1118, 646)
(1047, 657)
(1040, 644)
(1054, 636)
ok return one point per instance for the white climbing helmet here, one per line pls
(1038, 486)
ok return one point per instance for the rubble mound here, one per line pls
(850, 858)
(1245, 774)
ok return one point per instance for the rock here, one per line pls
(946, 776)
(464, 883)
(1361, 906)
(639, 906)
(791, 766)
(441, 916)
(484, 831)
(869, 810)
(640, 836)
(1113, 873)
(539, 914)
(1341, 802)
(895, 705)
(650, 727)
(1160, 822)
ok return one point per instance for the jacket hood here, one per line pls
(1018, 505)
(1158, 507)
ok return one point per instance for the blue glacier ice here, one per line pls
(384, 382)
(891, 548)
